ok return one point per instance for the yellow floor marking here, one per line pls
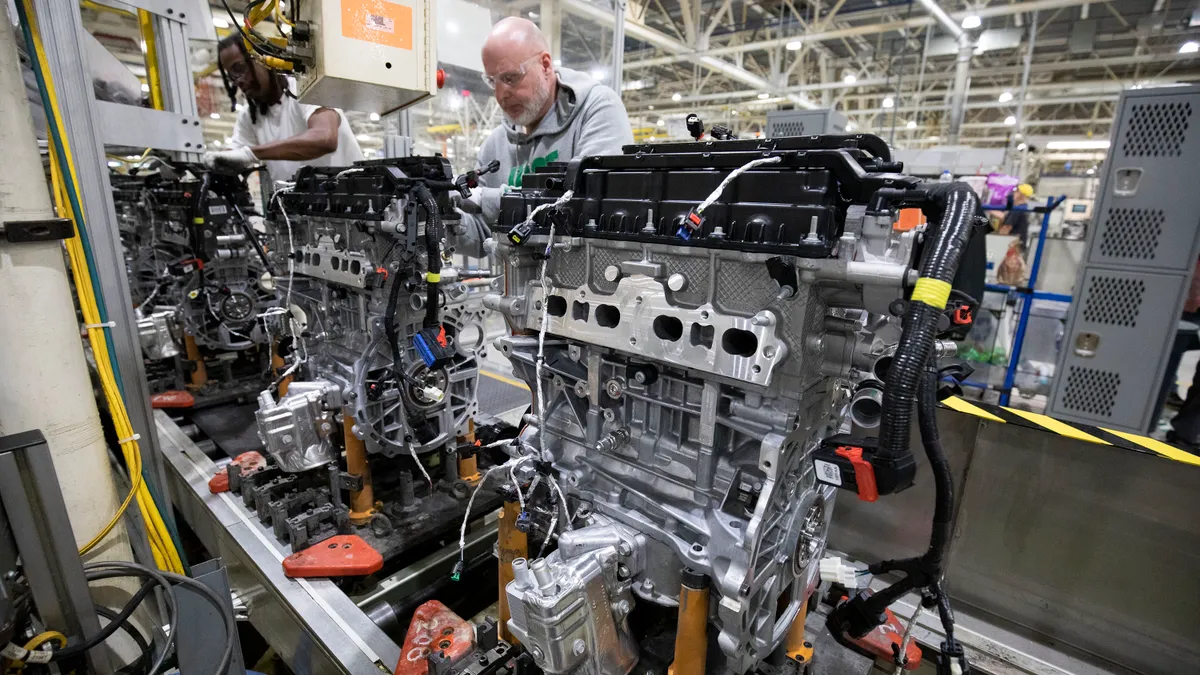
(1060, 428)
(505, 380)
(1159, 447)
(956, 403)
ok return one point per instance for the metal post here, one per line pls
(1010, 374)
(33, 502)
(958, 95)
(1012, 141)
(67, 61)
(618, 45)
(551, 24)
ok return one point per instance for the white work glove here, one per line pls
(234, 160)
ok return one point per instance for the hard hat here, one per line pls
(1025, 189)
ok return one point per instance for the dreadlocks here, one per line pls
(256, 108)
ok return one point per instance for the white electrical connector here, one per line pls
(432, 393)
(838, 571)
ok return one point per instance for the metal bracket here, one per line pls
(145, 128)
(48, 229)
(174, 10)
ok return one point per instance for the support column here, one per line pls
(551, 24)
(958, 95)
(1020, 125)
(362, 502)
(511, 544)
(691, 635)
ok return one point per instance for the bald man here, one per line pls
(551, 114)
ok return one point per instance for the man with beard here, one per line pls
(552, 114)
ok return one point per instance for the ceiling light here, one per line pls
(734, 112)
(220, 23)
(145, 88)
(557, 62)
(676, 96)
(228, 140)
(912, 124)
(374, 117)
(1006, 97)
(1077, 145)
(850, 78)
(1091, 171)
(649, 107)
(764, 96)
(452, 27)
(933, 138)
(849, 126)
(1189, 47)
(794, 45)
(215, 116)
(972, 21)
(662, 123)
(363, 138)
(888, 102)
(534, 15)
(652, 139)
(1022, 147)
(599, 74)
(1010, 120)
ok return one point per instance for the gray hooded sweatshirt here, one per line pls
(587, 118)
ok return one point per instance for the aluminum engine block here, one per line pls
(686, 383)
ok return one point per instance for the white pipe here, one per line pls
(44, 381)
(942, 17)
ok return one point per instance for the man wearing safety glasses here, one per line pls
(552, 114)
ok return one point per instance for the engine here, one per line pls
(712, 333)
(199, 279)
(380, 337)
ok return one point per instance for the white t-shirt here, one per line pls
(286, 119)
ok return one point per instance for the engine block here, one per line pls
(690, 367)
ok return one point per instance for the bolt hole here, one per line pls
(697, 548)
(668, 328)
(388, 65)
(333, 546)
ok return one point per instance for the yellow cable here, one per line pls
(43, 638)
(166, 556)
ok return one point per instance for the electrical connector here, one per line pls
(432, 393)
(433, 346)
(456, 574)
(838, 571)
(691, 222)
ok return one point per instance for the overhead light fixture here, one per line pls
(733, 112)
(889, 102)
(598, 74)
(220, 23)
(534, 15)
(1010, 120)
(1006, 97)
(363, 138)
(649, 107)
(145, 88)
(794, 45)
(764, 96)
(662, 123)
(651, 139)
(374, 117)
(1091, 171)
(1022, 147)
(1189, 47)
(849, 126)
(1078, 145)
(215, 116)
(850, 78)
(677, 96)
(972, 21)
(912, 124)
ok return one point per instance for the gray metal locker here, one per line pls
(1142, 247)
(781, 123)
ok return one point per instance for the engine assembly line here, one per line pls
(583, 398)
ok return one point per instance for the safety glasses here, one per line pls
(511, 78)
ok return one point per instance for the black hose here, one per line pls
(953, 206)
(433, 256)
(943, 507)
(126, 611)
(138, 666)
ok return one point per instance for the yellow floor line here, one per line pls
(1159, 447)
(505, 380)
(1058, 427)
(962, 406)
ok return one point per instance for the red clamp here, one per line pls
(885, 640)
(962, 315)
(342, 555)
(172, 399)
(864, 473)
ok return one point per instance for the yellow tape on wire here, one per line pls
(165, 555)
(932, 292)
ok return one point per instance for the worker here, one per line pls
(272, 127)
(552, 114)
(1016, 221)
(1185, 427)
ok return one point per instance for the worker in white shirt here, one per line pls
(273, 128)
